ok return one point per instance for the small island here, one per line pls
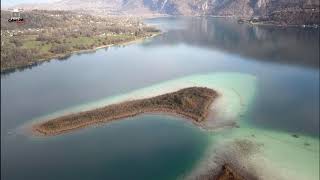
(192, 103)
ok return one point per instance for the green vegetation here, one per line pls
(190, 102)
(51, 34)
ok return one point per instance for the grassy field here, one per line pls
(44, 49)
(95, 41)
(55, 34)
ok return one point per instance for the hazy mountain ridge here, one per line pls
(238, 8)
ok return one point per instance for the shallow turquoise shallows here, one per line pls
(269, 76)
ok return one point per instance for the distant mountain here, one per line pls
(238, 8)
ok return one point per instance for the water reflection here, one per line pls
(272, 44)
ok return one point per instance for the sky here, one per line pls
(8, 3)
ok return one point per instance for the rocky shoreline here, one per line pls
(287, 18)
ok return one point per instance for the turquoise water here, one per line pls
(273, 72)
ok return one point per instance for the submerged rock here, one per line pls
(227, 173)
(295, 135)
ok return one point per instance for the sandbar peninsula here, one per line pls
(192, 103)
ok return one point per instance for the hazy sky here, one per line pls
(6, 3)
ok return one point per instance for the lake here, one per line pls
(284, 61)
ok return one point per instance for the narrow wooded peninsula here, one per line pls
(192, 103)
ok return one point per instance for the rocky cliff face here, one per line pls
(202, 7)
(220, 7)
(276, 9)
(294, 12)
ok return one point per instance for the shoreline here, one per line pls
(165, 112)
(60, 56)
(271, 24)
(279, 24)
(193, 103)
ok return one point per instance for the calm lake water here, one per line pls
(285, 62)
